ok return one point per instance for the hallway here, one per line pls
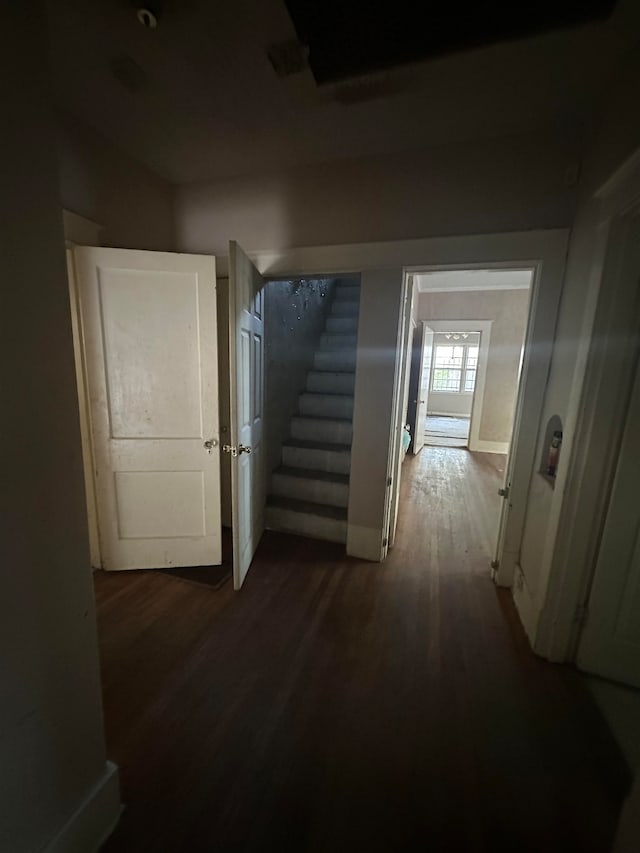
(340, 705)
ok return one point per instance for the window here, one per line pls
(454, 368)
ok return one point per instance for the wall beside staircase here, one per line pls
(294, 318)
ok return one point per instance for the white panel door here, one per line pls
(610, 641)
(246, 350)
(424, 379)
(150, 341)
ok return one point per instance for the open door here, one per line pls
(150, 345)
(246, 351)
(414, 386)
(425, 358)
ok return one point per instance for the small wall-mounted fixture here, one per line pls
(149, 15)
(551, 449)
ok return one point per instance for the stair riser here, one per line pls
(338, 361)
(341, 324)
(345, 308)
(308, 429)
(331, 383)
(347, 294)
(326, 406)
(340, 342)
(305, 524)
(315, 459)
(317, 491)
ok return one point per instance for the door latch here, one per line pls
(504, 493)
(209, 444)
(236, 451)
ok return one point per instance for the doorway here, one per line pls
(452, 364)
(310, 338)
(468, 345)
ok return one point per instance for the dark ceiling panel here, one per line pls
(348, 39)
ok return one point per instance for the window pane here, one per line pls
(446, 379)
(469, 380)
(472, 357)
(448, 356)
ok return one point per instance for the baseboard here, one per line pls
(92, 823)
(364, 543)
(490, 447)
(525, 605)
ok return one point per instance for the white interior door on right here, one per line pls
(610, 640)
(246, 351)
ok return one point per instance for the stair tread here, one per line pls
(337, 512)
(311, 474)
(317, 445)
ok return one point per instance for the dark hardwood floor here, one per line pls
(338, 705)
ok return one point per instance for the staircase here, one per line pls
(310, 490)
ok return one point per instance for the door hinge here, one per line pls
(495, 564)
(385, 542)
(389, 481)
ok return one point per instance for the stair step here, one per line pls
(322, 405)
(341, 324)
(350, 292)
(337, 360)
(306, 485)
(331, 382)
(339, 340)
(332, 430)
(317, 456)
(306, 518)
(345, 307)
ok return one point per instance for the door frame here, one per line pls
(400, 396)
(484, 327)
(591, 459)
(78, 231)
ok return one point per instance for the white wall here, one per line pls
(509, 311)
(52, 752)
(97, 181)
(447, 403)
(508, 185)
(380, 306)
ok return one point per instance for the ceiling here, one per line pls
(197, 98)
(465, 280)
